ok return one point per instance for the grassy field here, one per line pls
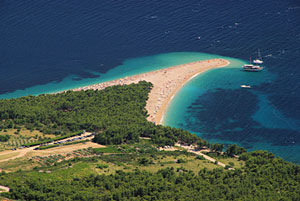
(110, 149)
(191, 163)
(63, 163)
(17, 164)
(9, 155)
(59, 164)
(113, 158)
(237, 163)
(65, 171)
(70, 169)
(21, 136)
(161, 162)
(26, 133)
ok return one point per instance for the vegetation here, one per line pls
(264, 177)
(72, 111)
(106, 150)
(102, 166)
(233, 150)
(4, 138)
(130, 168)
(52, 139)
(58, 145)
(117, 113)
(24, 136)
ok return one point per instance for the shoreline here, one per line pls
(160, 116)
(166, 83)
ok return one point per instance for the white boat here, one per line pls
(245, 86)
(259, 59)
(252, 68)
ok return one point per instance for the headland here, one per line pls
(166, 82)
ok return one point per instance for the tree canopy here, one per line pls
(264, 177)
(117, 113)
(73, 111)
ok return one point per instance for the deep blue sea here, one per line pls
(48, 46)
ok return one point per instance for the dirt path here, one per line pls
(20, 153)
(207, 157)
(4, 188)
(62, 149)
(68, 148)
(192, 150)
(57, 150)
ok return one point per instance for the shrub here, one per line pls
(4, 138)
(181, 160)
(200, 157)
(145, 161)
(102, 166)
(244, 157)
(227, 167)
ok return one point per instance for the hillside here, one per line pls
(130, 166)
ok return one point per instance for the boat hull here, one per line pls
(253, 70)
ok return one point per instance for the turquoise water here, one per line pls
(128, 68)
(212, 105)
(230, 77)
(45, 49)
(215, 107)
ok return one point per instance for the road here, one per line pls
(22, 152)
(192, 150)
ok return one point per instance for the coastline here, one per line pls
(166, 83)
(161, 114)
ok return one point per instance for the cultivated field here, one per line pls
(21, 136)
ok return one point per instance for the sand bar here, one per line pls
(166, 82)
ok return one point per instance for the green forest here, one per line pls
(72, 111)
(264, 177)
(117, 114)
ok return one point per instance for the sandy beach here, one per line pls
(166, 82)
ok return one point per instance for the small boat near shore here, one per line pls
(252, 68)
(246, 86)
(258, 60)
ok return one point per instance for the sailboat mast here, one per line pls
(259, 55)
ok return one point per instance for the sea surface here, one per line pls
(48, 46)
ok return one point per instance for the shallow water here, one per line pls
(215, 107)
(128, 68)
(48, 46)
